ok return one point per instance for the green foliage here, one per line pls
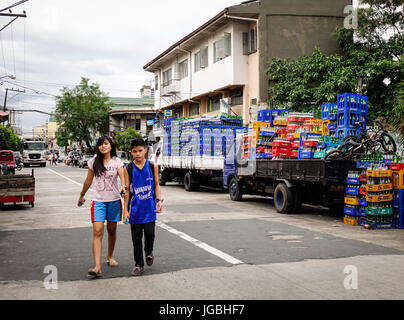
(62, 138)
(124, 138)
(398, 119)
(309, 81)
(83, 112)
(9, 140)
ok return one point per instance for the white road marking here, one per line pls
(182, 235)
(201, 244)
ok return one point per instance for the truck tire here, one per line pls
(235, 190)
(189, 182)
(283, 199)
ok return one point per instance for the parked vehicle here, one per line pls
(83, 162)
(7, 160)
(124, 156)
(15, 189)
(35, 152)
(73, 158)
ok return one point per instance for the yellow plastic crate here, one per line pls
(382, 198)
(379, 187)
(296, 135)
(398, 179)
(352, 201)
(326, 130)
(379, 173)
(351, 222)
(280, 122)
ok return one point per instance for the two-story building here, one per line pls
(227, 57)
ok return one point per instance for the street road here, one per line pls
(207, 247)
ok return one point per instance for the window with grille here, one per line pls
(138, 124)
(194, 109)
(201, 59)
(214, 103)
(183, 69)
(167, 77)
(236, 97)
(250, 41)
(222, 47)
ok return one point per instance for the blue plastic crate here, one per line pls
(306, 155)
(352, 102)
(344, 132)
(351, 211)
(354, 191)
(353, 181)
(363, 202)
(398, 206)
(362, 212)
(326, 110)
(333, 126)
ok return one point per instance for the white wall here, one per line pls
(230, 70)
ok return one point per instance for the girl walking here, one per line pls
(104, 169)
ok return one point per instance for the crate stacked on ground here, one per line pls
(326, 143)
(264, 143)
(308, 145)
(397, 168)
(329, 112)
(281, 149)
(379, 197)
(352, 110)
(351, 209)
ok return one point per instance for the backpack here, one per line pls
(130, 172)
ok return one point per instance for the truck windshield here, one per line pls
(34, 146)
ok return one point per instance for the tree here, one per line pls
(124, 138)
(83, 112)
(62, 138)
(9, 140)
(374, 60)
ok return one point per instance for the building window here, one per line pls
(201, 59)
(250, 41)
(194, 109)
(222, 47)
(167, 77)
(236, 97)
(138, 124)
(214, 103)
(156, 82)
(183, 69)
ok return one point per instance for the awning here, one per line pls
(3, 116)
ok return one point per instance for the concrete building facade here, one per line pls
(227, 57)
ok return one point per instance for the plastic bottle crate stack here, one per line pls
(264, 143)
(326, 143)
(329, 112)
(308, 145)
(352, 109)
(398, 193)
(353, 208)
(270, 114)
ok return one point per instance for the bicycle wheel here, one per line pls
(352, 138)
(335, 155)
(387, 143)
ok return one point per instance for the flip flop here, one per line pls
(112, 263)
(92, 274)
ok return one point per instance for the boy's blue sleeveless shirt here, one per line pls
(143, 206)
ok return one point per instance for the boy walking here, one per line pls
(142, 204)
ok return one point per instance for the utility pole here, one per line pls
(5, 98)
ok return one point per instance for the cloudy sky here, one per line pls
(109, 42)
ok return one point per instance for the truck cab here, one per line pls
(35, 152)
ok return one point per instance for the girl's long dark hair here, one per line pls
(98, 166)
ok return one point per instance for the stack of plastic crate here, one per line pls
(329, 112)
(280, 124)
(264, 143)
(308, 145)
(326, 143)
(379, 197)
(351, 209)
(281, 149)
(352, 114)
(398, 193)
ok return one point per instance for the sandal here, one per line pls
(92, 274)
(112, 263)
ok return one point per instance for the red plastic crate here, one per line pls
(291, 128)
(363, 178)
(290, 137)
(296, 119)
(296, 145)
(310, 143)
(294, 154)
(281, 154)
(396, 166)
(281, 144)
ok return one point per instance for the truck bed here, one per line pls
(310, 170)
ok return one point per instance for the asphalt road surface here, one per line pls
(207, 247)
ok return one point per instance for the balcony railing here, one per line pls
(170, 88)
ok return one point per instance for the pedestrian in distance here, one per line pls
(50, 159)
(106, 203)
(141, 204)
(55, 159)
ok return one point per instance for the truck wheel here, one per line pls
(283, 199)
(189, 182)
(235, 191)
